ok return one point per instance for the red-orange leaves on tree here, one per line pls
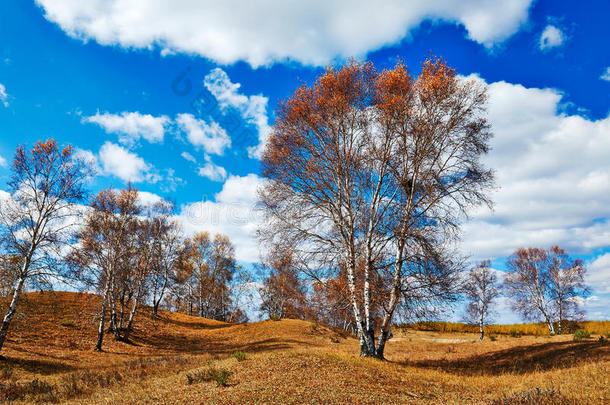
(36, 221)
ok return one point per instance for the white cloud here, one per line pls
(212, 137)
(553, 176)
(3, 95)
(3, 162)
(252, 108)
(188, 156)
(131, 126)
(212, 171)
(551, 37)
(148, 199)
(232, 212)
(263, 32)
(598, 274)
(124, 164)
(606, 75)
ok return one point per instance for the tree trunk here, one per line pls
(12, 309)
(549, 323)
(100, 330)
(481, 324)
(113, 321)
(122, 314)
(132, 314)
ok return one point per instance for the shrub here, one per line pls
(580, 334)
(67, 323)
(239, 356)
(275, 317)
(220, 376)
(492, 338)
(314, 327)
(515, 334)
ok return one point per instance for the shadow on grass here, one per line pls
(190, 325)
(44, 367)
(521, 359)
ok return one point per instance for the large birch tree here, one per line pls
(370, 173)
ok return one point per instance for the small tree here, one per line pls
(481, 290)
(567, 284)
(282, 292)
(167, 248)
(545, 284)
(36, 221)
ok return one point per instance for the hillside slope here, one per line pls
(49, 356)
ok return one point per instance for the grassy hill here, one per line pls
(176, 358)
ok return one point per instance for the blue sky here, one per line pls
(177, 96)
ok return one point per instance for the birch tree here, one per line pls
(546, 284)
(567, 284)
(481, 290)
(36, 221)
(375, 170)
(105, 248)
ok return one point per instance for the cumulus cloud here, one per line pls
(3, 95)
(3, 162)
(553, 178)
(213, 171)
(551, 37)
(263, 32)
(606, 75)
(187, 156)
(127, 166)
(232, 212)
(148, 199)
(210, 136)
(253, 108)
(598, 274)
(131, 126)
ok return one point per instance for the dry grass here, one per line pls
(182, 359)
(532, 329)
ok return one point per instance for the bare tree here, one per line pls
(167, 245)
(481, 290)
(567, 284)
(36, 221)
(545, 284)
(105, 249)
(374, 170)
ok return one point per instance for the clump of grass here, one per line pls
(14, 391)
(220, 376)
(535, 396)
(514, 333)
(6, 373)
(315, 327)
(67, 323)
(239, 356)
(492, 338)
(197, 376)
(581, 334)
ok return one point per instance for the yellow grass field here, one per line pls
(48, 357)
